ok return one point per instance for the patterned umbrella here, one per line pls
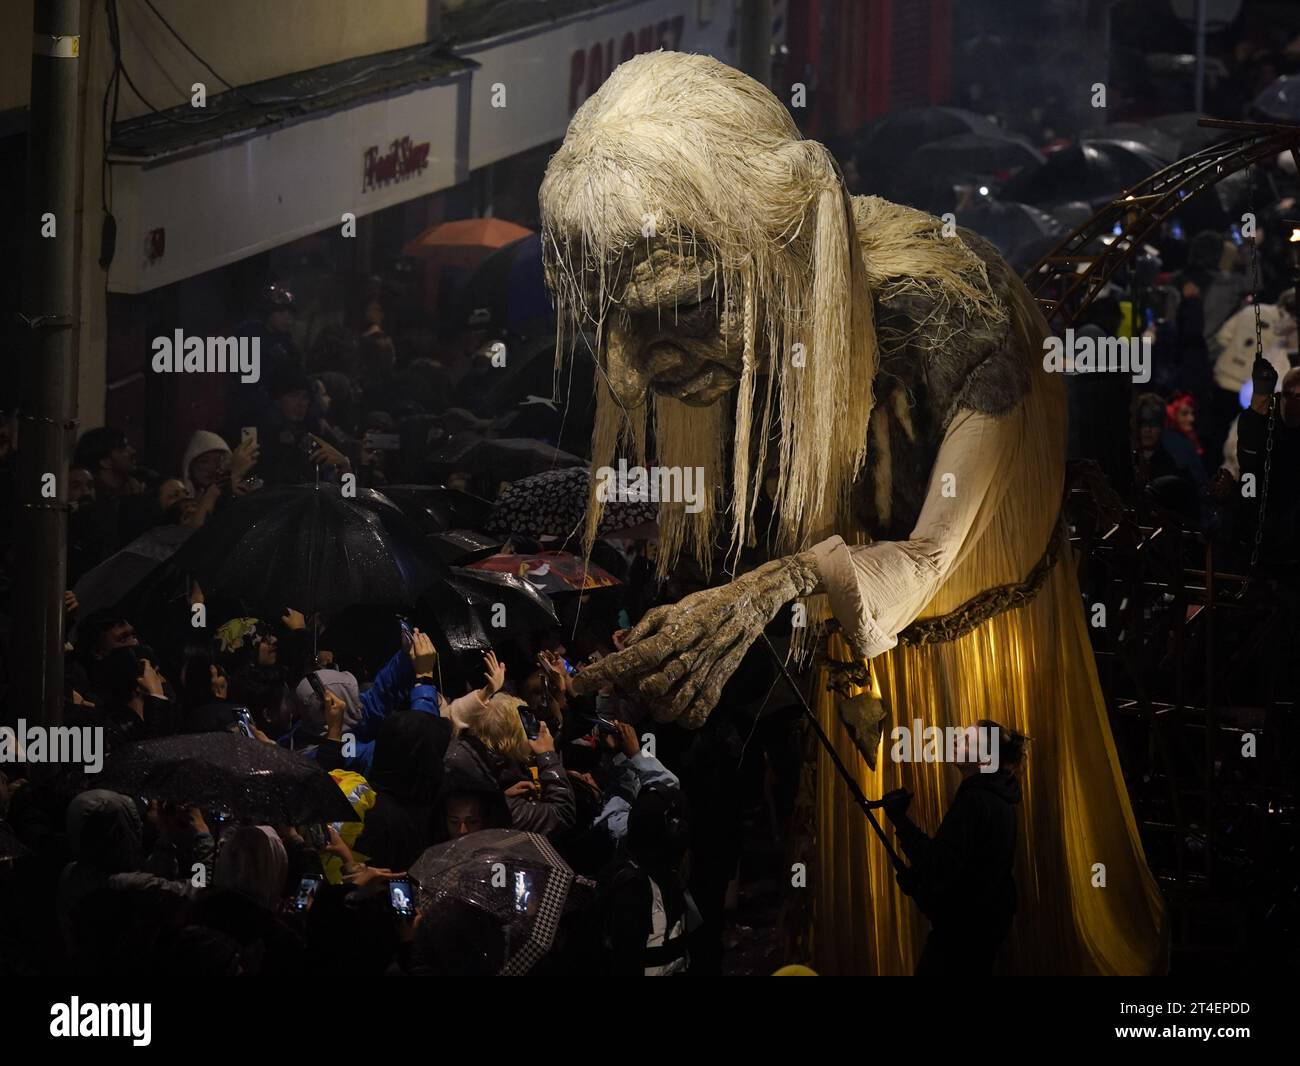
(551, 572)
(554, 504)
(514, 883)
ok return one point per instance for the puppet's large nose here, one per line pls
(626, 365)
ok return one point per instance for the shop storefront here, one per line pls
(199, 216)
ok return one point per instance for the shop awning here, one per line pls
(264, 164)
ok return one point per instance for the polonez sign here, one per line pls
(589, 67)
(529, 83)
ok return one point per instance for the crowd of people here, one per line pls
(429, 747)
(425, 750)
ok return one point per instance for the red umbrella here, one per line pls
(465, 242)
(551, 572)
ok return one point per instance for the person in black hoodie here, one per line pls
(961, 878)
(407, 775)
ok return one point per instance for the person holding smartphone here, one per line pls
(406, 682)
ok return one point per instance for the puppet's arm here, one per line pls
(678, 657)
(876, 590)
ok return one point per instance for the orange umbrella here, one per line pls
(466, 241)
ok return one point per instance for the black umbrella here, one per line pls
(1281, 100)
(1184, 127)
(463, 546)
(510, 283)
(515, 882)
(478, 608)
(526, 607)
(893, 137)
(976, 154)
(227, 771)
(1071, 214)
(435, 508)
(310, 547)
(1162, 143)
(882, 146)
(1008, 225)
(108, 583)
(1092, 170)
(505, 457)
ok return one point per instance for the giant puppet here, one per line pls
(881, 378)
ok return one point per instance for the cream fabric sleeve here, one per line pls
(876, 590)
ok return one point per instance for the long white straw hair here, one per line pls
(713, 160)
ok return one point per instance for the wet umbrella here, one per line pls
(551, 572)
(107, 584)
(463, 545)
(516, 882)
(226, 771)
(503, 456)
(975, 154)
(1072, 214)
(891, 138)
(435, 508)
(1008, 225)
(1281, 100)
(487, 588)
(474, 609)
(554, 504)
(510, 282)
(1091, 170)
(1162, 143)
(1184, 127)
(311, 548)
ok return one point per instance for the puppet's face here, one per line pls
(671, 333)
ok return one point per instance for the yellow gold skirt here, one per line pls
(1087, 902)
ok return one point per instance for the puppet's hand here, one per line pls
(677, 659)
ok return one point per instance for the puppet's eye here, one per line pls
(699, 316)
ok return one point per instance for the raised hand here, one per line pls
(424, 656)
(243, 459)
(678, 657)
(494, 675)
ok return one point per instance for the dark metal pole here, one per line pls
(48, 367)
(859, 796)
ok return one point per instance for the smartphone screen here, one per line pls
(523, 891)
(399, 896)
(306, 893)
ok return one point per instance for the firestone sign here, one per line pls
(403, 160)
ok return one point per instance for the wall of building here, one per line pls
(244, 40)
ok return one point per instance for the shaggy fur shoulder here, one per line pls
(935, 357)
